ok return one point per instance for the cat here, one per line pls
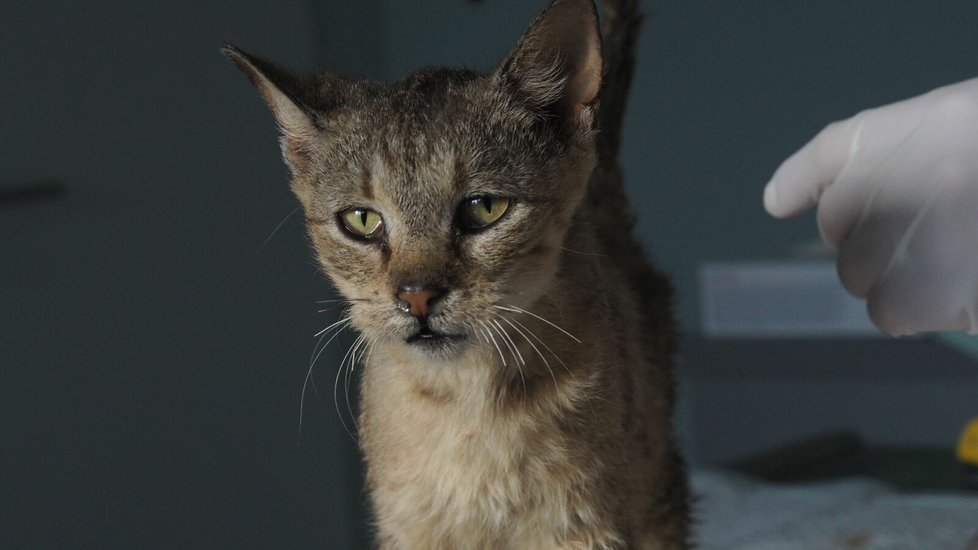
(516, 388)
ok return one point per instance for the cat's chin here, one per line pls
(437, 344)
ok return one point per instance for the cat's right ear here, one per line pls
(279, 89)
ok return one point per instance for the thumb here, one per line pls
(799, 182)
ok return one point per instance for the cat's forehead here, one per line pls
(431, 129)
(433, 89)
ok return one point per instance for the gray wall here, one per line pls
(151, 348)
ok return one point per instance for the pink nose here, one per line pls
(419, 300)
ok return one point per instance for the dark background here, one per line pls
(155, 334)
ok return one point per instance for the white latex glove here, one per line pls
(897, 195)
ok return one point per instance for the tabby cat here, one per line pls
(516, 389)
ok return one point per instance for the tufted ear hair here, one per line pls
(281, 90)
(556, 67)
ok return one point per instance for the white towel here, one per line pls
(737, 513)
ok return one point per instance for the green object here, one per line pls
(963, 342)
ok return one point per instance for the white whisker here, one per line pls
(327, 329)
(510, 342)
(476, 330)
(354, 361)
(489, 332)
(336, 383)
(518, 357)
(341, 300)
(583, 253)
(557, 357)
(525, 337)
(502, 338)
(485, 336)
(312, 363)
(514, 309)
(277, 227)
(544, 344)
(323, 348)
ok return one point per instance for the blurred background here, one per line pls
(158, 297)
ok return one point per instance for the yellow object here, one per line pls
(362, 222)
(482, 211)
(968, 444)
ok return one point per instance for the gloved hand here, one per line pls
(897, 195)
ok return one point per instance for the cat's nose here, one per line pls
(418, 300)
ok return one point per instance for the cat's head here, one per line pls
(434, 201)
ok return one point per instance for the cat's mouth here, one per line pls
(432, 339)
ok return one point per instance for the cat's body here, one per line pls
(511, 395)
(473, 458)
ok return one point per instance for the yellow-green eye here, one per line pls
(480, 212)
(362, 223)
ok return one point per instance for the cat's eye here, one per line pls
(362, 223)
(480, 212)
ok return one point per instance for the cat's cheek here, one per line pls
(530, 287)
(354, 273)
(526, 279)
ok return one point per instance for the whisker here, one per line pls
(354, 361)
(342, 300)
(514, 309)
(335, 334)
(525, 337)
(363, 360)
(327, 329)
(510, 342)
(470, 327)
(312, 360)
(485, 336)
(277, 227)
(502, 339)
(512, 347)
(584, 253)
(544, 344)
(336, 383)
(557, 357)
(489, 332)
(480, 333)
(370, 349)
(556, 306)
(312, 363)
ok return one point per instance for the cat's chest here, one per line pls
(448, 470)
(458, 449)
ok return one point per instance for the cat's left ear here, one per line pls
(281, 91)
(556, 67)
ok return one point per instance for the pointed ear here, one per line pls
(280, 89)
(557, 63)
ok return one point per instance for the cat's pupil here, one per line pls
(477, 205)
(486, 204)
(363, 217)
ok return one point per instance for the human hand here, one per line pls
(897, 195)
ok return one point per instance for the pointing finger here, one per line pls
(799, 182)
